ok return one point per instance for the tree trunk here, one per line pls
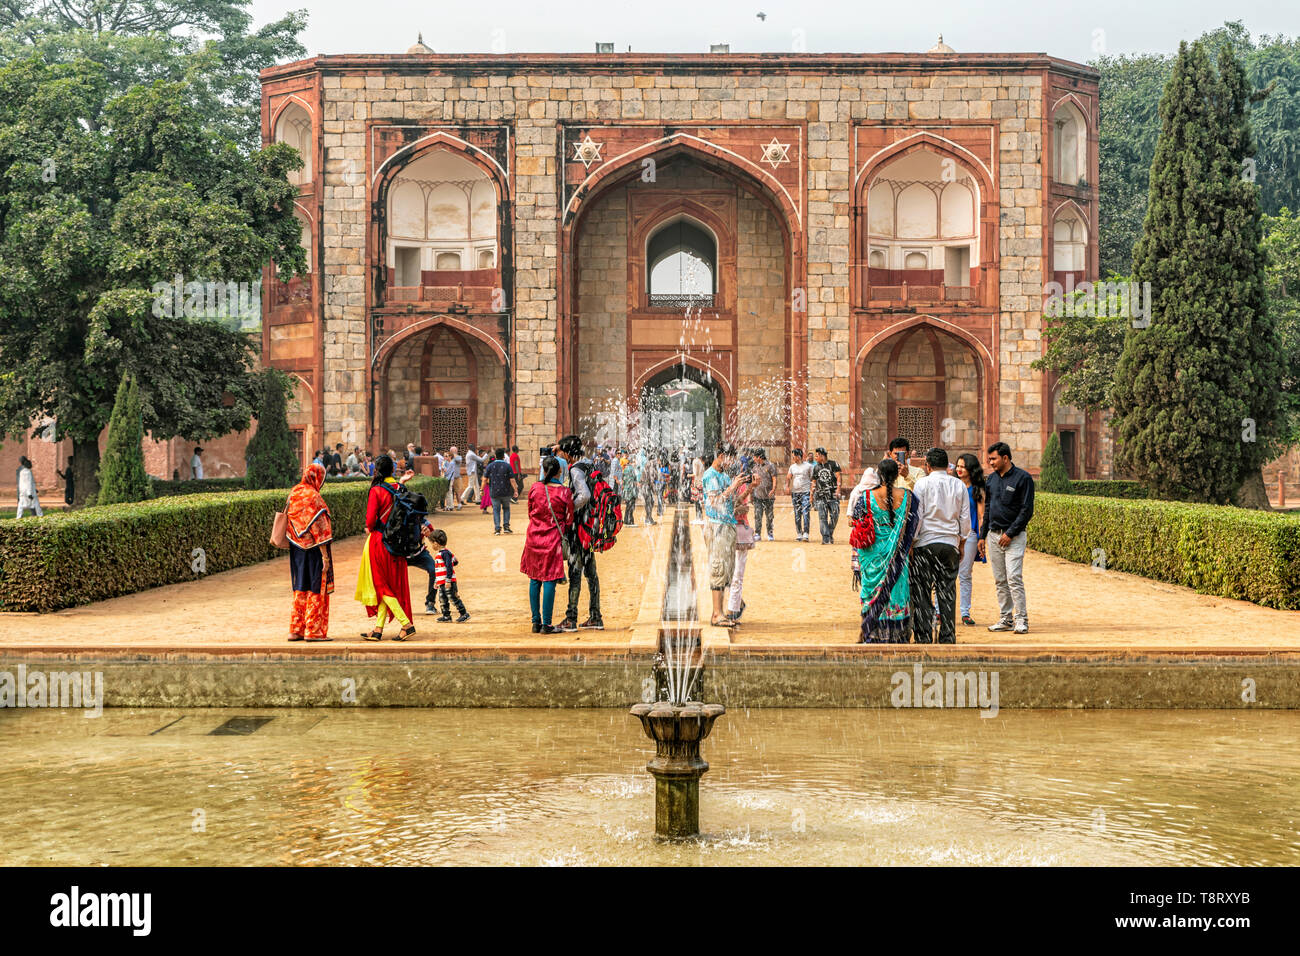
(85, 464)
(1252, 493)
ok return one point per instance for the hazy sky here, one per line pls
(1076, 31)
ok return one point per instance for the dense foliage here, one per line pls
(1130, 89)
(79, 557)
(1231, 552)
(1053, 475)
(122, 476)
(1196, 391)
(272, 452)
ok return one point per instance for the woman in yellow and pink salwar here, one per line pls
(311, 565)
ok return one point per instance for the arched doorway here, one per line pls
(696, 261)
(925, 385)
(681, 407)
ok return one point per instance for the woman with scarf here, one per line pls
(311, 565)
(381, 583)
(886, 587)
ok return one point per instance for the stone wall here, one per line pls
(602, 306)
(537, 99)
(760, 324)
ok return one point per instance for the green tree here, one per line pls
(1130, 89)
(208, 44)
(1282, 246)
(121, 473)
(272, 452)
(1084, 343)
(104, 199)
(1052, 475)
(1196, 392)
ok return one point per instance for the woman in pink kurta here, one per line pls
(550, 514)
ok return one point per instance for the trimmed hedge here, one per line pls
(1215, 549)
(192, 486)
(75, 558)
(1101, 488)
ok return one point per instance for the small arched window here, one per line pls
(294, 128)
(1069, 145)
(1069, 242)
(681, 264)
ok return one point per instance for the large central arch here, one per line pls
(647, 343)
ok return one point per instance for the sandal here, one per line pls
(294, 637)
(725, 622)
(373, 635)
(405, 633)
(318, 640)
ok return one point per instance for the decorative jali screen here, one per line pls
(449, 425)
(916, 424)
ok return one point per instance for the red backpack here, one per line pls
(602, 518)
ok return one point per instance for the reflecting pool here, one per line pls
(533, 787)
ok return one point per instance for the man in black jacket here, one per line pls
(1003, 536)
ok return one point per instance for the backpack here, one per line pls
(602, 518)
(401, 535)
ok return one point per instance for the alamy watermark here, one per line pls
(1118, 300)
(81, 689)
(922, 688)
(200, 299)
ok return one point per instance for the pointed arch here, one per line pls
(385, 351)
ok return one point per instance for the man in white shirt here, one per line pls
(196, 465)
(473, 469)
(943, 509)
(799, 484)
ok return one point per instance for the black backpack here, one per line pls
(401, 534)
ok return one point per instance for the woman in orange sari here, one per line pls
(311, 566)
(382, 585)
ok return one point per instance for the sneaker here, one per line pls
(537, 627)
(1022, 627)
(445, 619)
(497, 531)
(770, 538)
(593, 623)
(463, 617)
(508, 531)
(548, 629)
(1001, 626)
(968, 620)
(568, 624)
(430, 609)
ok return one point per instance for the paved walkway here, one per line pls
(799, 597)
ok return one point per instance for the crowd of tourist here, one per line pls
(918, 528)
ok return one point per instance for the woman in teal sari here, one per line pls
(886, 587)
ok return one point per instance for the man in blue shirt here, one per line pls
(1003, 536)
(500, 480)
(719, 511)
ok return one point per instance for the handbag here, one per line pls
(744, 537)
(863, 535)
(280, 528)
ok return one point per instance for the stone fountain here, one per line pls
(674, 722)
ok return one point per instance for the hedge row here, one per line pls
(198, 486)
(1231, 552)
(75, 558)
(1101, 488)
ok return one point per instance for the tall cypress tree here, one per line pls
(1053, 476)
(272, 457)
(1196, 391)
(121, 471)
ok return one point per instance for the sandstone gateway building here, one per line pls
(869, 239)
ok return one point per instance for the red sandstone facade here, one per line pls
(880, 230)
